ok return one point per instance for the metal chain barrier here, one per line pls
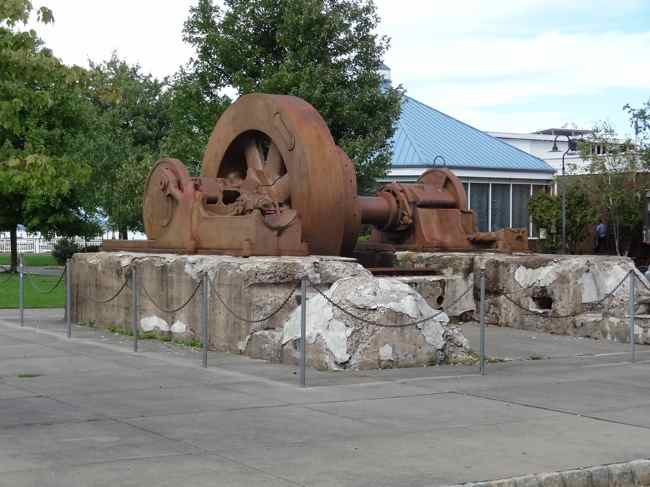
(259, 320)
(33, 284)
(108, 300)
(569, 315)
(171, 310)
(384, 325)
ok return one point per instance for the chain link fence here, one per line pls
(209, 290)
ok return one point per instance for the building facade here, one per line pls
(540, 144)
(499, 178)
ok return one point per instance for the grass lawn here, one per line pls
(33, 298)
(36, 260)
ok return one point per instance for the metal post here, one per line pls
(632, 311)
(482, 321)
(68, 300)
(21, 289)
(303, 333)
(204, 318)
(563, 188)
(134, 289)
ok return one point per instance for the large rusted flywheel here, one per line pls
(287, 140)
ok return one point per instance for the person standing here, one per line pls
(601, 238)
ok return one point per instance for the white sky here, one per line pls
(507, 65)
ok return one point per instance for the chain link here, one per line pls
(32, 283)
(213, 290)
(104, 301)
(171, 310)
(569, 315)
(384, 325)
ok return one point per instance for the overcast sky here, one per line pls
(506, 65)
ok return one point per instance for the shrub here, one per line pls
(64, 249)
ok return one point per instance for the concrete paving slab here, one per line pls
(23, 411)
(580, 397)
(223, 431)
(66, 364)
(53, 445)
(510, 343)
(639, 415)
(98, 381)
(164, 471)
(12, 392)
(429, 412)
(312, 395)
(29, 351)
(243, 422)
(448, 455)
(156, 402)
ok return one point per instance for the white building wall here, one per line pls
(540, 146)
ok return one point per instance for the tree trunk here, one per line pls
(13, 239)
(124, 233)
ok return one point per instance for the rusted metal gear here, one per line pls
(284, 140)
(167, 184)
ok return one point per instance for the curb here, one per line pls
(630, 474)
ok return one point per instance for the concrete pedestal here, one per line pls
(548, 286)
(253, 288)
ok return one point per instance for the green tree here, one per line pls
(43, 119)
(130, 121)
(194, 107)
(617, 183)
(546, 212)
(325, 51)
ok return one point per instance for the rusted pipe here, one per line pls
(376, 210)
(427, 196)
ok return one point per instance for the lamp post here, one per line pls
(572, 146)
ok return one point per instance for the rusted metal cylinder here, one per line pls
(428, 196)
(376, 210)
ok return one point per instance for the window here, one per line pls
(520, 198)
(480, 203)
(500, 207)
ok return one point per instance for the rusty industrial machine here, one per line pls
(273, 182)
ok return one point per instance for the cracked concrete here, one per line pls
(254, 288)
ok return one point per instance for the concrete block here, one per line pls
(599, 476)
(641, 472)
(620, 475)
(577, 478)
(551, 479)
(527, 481)
(246, 290)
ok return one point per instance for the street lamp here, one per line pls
(572, 146)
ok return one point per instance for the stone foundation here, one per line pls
(548, 285)
(254, 287)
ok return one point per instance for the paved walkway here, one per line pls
(88, 411)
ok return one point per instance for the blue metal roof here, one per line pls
(423, 133)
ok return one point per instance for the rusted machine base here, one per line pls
(379, 255)
(149, 246)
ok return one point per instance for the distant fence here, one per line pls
(41, 245)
